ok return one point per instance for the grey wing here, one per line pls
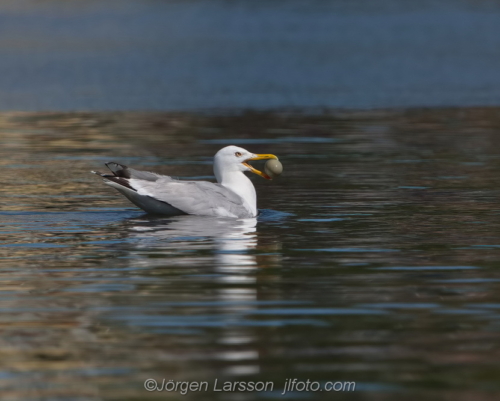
(194, 197)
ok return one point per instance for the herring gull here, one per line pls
(232, 196)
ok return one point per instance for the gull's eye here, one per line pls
(237, 154)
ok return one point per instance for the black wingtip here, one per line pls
(119, 180)
(119, 170)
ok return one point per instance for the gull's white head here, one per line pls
(229, 165)
(233, 159)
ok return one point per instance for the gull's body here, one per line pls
(232, 196)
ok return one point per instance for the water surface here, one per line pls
(206, 54)
(374, 258)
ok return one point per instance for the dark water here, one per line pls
(375, 258)
(199, 54)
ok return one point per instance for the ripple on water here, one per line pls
(425, 268)
(265, 141)
(350, 250)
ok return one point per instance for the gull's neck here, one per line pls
(241, 185)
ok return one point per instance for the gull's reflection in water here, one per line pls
(232, 261)
(230, 239)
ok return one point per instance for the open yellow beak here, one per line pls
(259, 157)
